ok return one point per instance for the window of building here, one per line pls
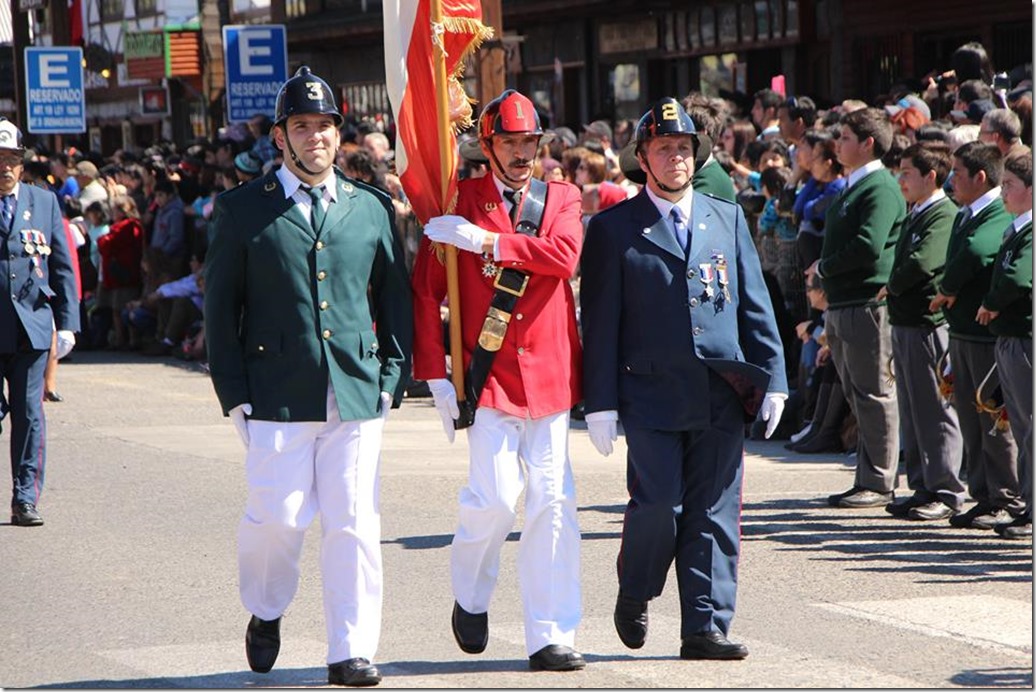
(295, 8)
(145, 7)
(112, 10)
(717, 72)
(625, 82)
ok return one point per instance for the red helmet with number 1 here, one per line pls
(509, 113)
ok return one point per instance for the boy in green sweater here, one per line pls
(991, 453)
(1007, 310)
(929, 429)
(861, 230)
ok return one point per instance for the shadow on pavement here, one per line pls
(285, 677)
(885, 544)
(996, 677)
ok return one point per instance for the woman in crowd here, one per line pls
(121, 251)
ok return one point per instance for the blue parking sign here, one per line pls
(255, 58)
(55, 98)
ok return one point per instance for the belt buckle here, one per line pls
(518, 293)
(494, 328)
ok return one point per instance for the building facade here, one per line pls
(577, 59)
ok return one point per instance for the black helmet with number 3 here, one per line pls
(305, 93)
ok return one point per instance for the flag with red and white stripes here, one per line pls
(410, 75)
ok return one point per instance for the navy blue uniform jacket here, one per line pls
(36, 290)
(651, 334)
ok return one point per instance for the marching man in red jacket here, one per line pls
(519, 242)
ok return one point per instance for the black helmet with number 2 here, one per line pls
(665, 119)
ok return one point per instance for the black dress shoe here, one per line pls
(471, 631)
(557, 657)
(25, 514)
(858, 498)
(901, 508)
(935, 510)
(711, 645)
(262, 643)
(821, 443)
(631, 621)
(1019, 529)
(356, 672)
(981, 516)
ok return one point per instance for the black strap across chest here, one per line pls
(510, 285)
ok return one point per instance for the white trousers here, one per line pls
(505, 451)
(294, 471)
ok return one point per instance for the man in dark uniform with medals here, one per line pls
(680, 344)
(39, 295)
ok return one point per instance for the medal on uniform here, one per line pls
(490, 207)
(723, 277)
(40, 241)
(489, 268)
(706, 276)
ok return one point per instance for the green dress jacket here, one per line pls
(290, 309)
(712, 179)
(861, 230)
(1010, 290)
(969, 268)
(920, 257)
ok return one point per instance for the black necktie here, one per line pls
(965, 216)
(515, 198)
(8, 212)
(316, 195)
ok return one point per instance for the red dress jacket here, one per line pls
(121, 250)
(538, 370)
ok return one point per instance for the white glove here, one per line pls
(66, 340)
(238, 418)
(456, 231)
(602, 428)
(386, 405)
(771, 410)
(445, 397)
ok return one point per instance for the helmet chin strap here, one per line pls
(295, 157)
(663, 186)
(500, 168)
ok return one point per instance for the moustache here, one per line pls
(521, 162)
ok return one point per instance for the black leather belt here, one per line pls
(510, 285)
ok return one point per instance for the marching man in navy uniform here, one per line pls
(38, 296)
(309, 329)
(680, 344)
(520, 242)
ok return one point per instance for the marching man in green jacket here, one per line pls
(1007, 309)
(991, 453)
(929, 429)
(309, 328)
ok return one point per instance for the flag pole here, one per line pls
(442, 103)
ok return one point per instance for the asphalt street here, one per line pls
(132, 581)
